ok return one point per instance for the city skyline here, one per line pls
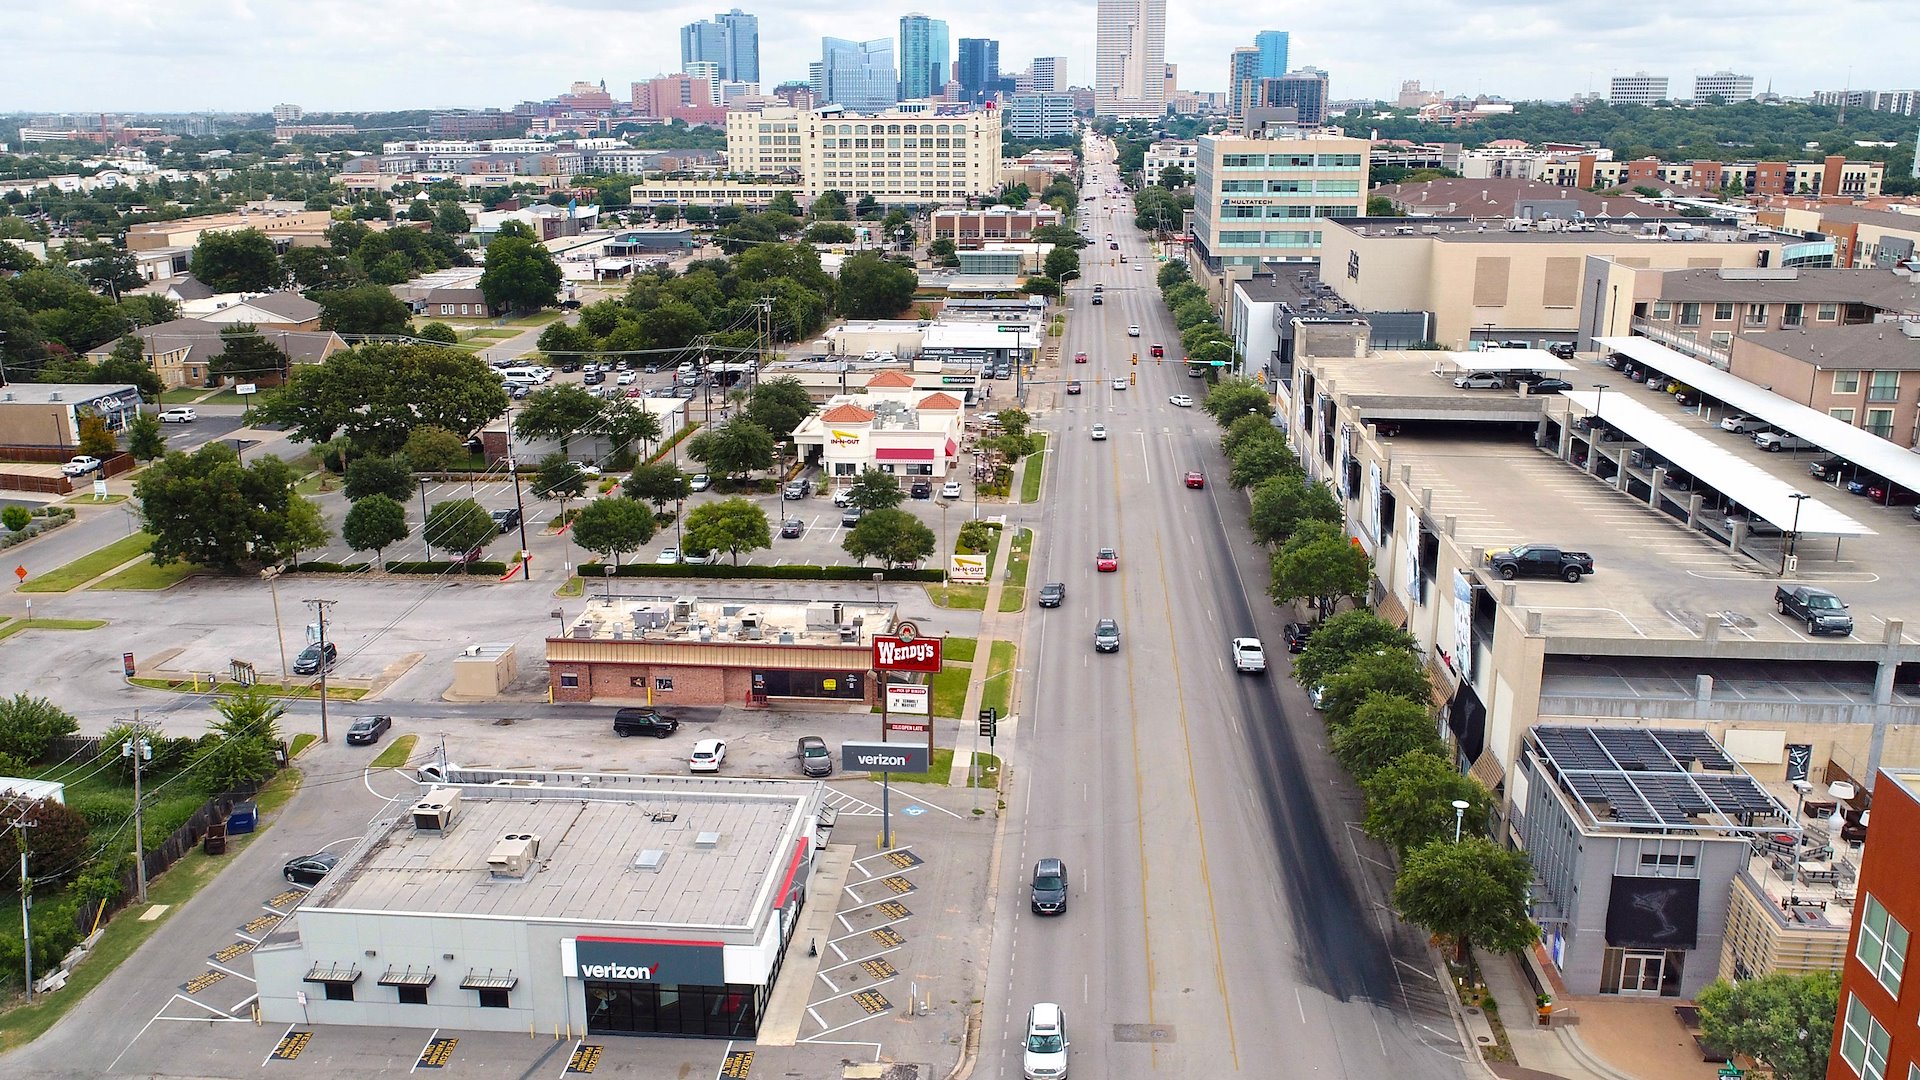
(231, 55)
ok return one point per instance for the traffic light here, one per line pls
(1136, 359)
(989, 722)
(1133, 378)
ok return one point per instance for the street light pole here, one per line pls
(1459, 816)
(1793, 534)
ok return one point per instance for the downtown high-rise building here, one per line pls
(1243, 79)
(730, 40)
(924, 58)
(1273, 53)
(979, 68)
(1130, 58)
(858, 75)
(1049, 74)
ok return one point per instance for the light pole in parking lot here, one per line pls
(1793, 534)
(977, 457)
(1459, 816)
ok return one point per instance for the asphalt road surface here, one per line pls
(1227, 917)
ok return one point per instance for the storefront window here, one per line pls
(810, 684)
(729, 1012)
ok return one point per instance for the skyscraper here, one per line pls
(924, 59)
(1130, 58)
(1304, 90)
(703, 42)
(1243, 76)
(1273, 53)
(1050, 74)
(858, 75)
(979, 67)
(743, 46)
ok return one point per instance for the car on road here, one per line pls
(1099, 432)
(1106, 636)
(850, 517)
(792, 528)
(707, 756)
(1196, 479)
(815, 759)
(1298, 634)
(1073, 387)
(668, 557)
(1045, 1056)
(309, 869)
(1481, 380)
(1106, 561)
(950, 489)
(1097, 301)
(638, 721)
(1119, 384)
(1249, 655)
(1133, 331)
(80, 466)
(700, 482)
(309, 660)
(178, 415)
(368, 729)
(506, 518)
(1182, 400)
(921, 489)
(1157, 350)
(1052, 593)
(1079, 358)
(1049, 896)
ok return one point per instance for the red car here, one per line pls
(1073, 387)
(1196, 480)
(1107, 561)
(1159, 349)
(1079, 358)
(1899, 496)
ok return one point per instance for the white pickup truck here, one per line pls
(1249, 655)
(1775, 441)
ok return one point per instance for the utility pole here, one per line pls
(520, 507)
(140, 750)
(320, 609)
(26, 898)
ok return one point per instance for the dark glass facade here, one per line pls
(725, 1012)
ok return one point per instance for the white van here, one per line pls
(520, 376)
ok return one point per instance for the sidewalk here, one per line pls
(994, 626)
(1593, 1037)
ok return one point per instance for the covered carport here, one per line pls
(1864, 449)
(1794, 513)
(1498, 361)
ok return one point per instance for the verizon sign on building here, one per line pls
(902, 653)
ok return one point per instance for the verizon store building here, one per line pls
(617, 905)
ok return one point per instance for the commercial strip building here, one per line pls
(49, 414)
(895, 426)
(1878, 1030)
(690, 651)
(913, 153)
(606, 903)
(973, 229)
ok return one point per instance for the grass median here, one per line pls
(986, 768)
(12, 628)
(147, 577)
(1036, 467)
(999, 687)
(89, 566)
(396, 755)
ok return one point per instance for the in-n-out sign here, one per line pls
(884, 757)
(891, 653)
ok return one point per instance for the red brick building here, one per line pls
(1877, 1035)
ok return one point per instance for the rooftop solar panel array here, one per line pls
(1645, 777)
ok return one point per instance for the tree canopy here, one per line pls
(208, 509)
(734, 448)
(1784, 1020)
(520, 274)
(890, 535)
(377, 394)
(729, 525)
(364, 309)
(240, 261)
(611, 528)
(1320, 565)
(1474, 892)
(874, 287)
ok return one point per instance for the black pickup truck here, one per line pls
(1819, 609)
(1540, 560)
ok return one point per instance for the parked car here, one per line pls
(638, 721)
(368, 729)
(707, 756)
(1775, 441)
(178, 415)
(700, 482)
(793, 528)
(1742, 424)
(815, 759)
(850, 517)
(80, 466)
(668, 557)
(1106, 636)
(797, 489)
(1551, 386)
(1480, 380)
(921, 489)
(950, 489)
(1052, 593)
(626, 378)
(309, 869)
(1562, 349)
(309, 660)
(1829, 468)
(696, 557)
(840, 497)
(1049, 890)
(1891, 495)
(587, 469)
(1298, 634)
(593, 378)
(506, 518)
(1821, 610)
(1539, 560)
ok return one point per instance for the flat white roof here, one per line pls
(1501, 360)
(978, 335)
(1870, 452)
(1717, 467)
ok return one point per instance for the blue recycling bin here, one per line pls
(243, 819)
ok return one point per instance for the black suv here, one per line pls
(1298, 634)
(643, 722)
(922, 489)
(1049, 887)
(507, 518)
(308, 662)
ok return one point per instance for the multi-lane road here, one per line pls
(1226, 916)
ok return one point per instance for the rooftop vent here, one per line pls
(650, 860)
(663, 817)
(707, 840)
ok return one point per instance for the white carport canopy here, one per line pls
(1501, 360)
(1870, 452)
(1717, 467)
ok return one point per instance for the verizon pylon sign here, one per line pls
(895, 653)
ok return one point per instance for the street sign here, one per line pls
(884, 757)
(989, 723)
(126, 664)
(908, 698)
(910, 726)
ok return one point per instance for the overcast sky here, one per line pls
(246, 55)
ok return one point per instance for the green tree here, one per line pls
(1320, 565)
(942, 251)
(450, 219)
(1785, 1020)
(29, 726)
(559, 478)
(1062, 261)
(319, 268)
(1232, 398)
(431, 448)
(96, 439)
(373, 523)
(251, 712)
(1172, 273)
(249, 355)
(1395, 674)
(1282, 503)
(520, 274)
(779, 404)
(557, 412)
(1473, 892)
(729, 525)
(733, 449)
(363, 309)
(239, 261)
(16, 518)
(1410, 801)
(458, 526)
(378, 394)
(874, 489)
(1256, 461)
(872, 287)
(144, 440)
(1040, 286)
(226, 764)
(1380, 731)
(208, 509)
(56, 839)
(562, 339)
(1344, 638)
(659, 483)
(829, 232)
(438, 332)
(374, 475)
(624, 422)
(784, 203)
(1250, 427)
(893, 536)
(611, 528)
(128, 364)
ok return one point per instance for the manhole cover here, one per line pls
(1143, 1033)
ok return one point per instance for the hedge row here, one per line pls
(797, 572)
(474, 569)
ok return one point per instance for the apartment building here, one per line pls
(914, 154)
(1637, 89)
(1267, 197)
(1833, 175)
(1862, 236)
(1877, 1032)
(1167, 152)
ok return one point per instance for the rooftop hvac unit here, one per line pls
(1910, 328)
(650, 860)
(434, 812)
(513, 855)
(683, 607)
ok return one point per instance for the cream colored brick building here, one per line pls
(911, 155)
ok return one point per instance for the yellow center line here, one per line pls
(1140, 803)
